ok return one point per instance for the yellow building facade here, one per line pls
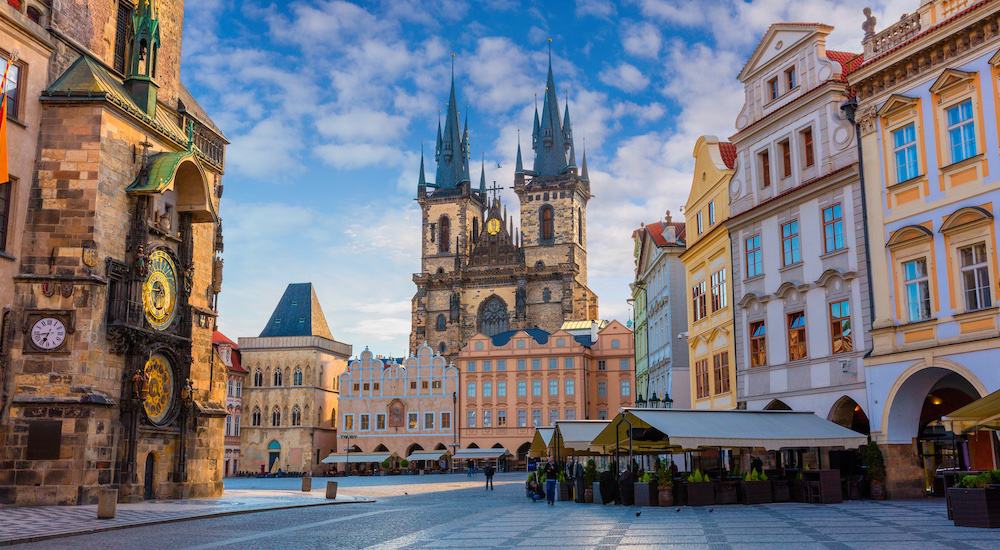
(928, 118)
(708, 267)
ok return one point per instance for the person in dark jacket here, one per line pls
(551, 472)
(489, 470)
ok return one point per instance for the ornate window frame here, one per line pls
(952, 88)
(964, 227)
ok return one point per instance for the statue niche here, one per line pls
(397, 411)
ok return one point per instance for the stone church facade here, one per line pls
(480, 273)
(106, 371)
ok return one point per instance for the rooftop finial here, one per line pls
(453, 66)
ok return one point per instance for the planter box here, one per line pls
(975, 507)
(798, 490)
(596, 487)
(565, 490)
(700, 494)
(626, 492)
(726, 492)
(665, 496)
(781, 490)
(755, 492)
(646, 494)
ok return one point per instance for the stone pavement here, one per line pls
(35, 523)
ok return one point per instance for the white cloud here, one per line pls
(271, 147)
(625, 77)
(351, 156)
(641, 39)
(362, 124)
(597, 8)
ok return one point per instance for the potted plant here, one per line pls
(976, 500)
(564, 486)
(404, 464)
(699, 489)
(385, 467)
(645, 490)
(871, 457)
(590, 481)
(755, 488)
(664, 487)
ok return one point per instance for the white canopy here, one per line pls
(692, 429)
(425, 455)
(576, 436)
(476, 454)
(540, 443)
(341, 458)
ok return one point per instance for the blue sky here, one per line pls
(327, 103)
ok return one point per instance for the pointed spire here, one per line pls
(422, 182)
(452, 166)
(482, 178)
(519, 167)
(550, 155)
(437, 147)
(583, 167)
(536, 129)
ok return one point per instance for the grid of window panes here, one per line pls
(904, 143)
(961, 131)
(758, 344)
(975, 277)
(791, 252)
(840, 327)
(833, 228)
(755, 259)
(918, 295)
(797, 336)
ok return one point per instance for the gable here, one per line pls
(779, 39)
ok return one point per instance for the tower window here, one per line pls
(441, 323)
(579, 225)
(475, 229)
(123, 28)
(546, 224)
(444, 234)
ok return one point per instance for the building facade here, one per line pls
(660, 314)
(227, 353)
(400, 408)
(292, 399)
(112, 270)
(927, 115)
(709, 273)
(796, 226)
(480, 274)
(517, 380)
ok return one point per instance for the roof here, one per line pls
(656, 232)
(219, 338)
(298, 313)
(503, 338)
(193, 108)
(235, 360)
(342, 458)
(848, 61)
(425, 455)
(660, 429)
(575, 436)
(582, 325)
(728, 151)
(540, 443)
(980, 414)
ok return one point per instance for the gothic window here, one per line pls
(475, 229)
(296, 416)
(546, 224)
(441, 348)
(493, 317)
(277, 377)
(255, 417)
(546, 295)
(276, 417)
(444, 234)
(297, 377)
(440, 324)
(258, 378)
(579, 225)
(123, 30)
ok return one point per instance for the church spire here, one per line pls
(568, 136)
(466, 152)
(583, 166)
(452, 164)
(550, 155)
(536, 129)
(519, 167)
(143, 56)
(422, 182)
(482, 178)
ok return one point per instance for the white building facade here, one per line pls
(796, 228)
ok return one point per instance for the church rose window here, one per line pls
(493, 318)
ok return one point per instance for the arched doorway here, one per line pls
(777, 405)
(472, 446)
(914, 418)
(273, 454)
(412, 448)
(381, 448)
(148, 489)
(849, 414)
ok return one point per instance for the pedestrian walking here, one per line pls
(489, 470)
(468, 468)
(551, 472)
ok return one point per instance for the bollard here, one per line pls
(107, 503)
(331, 489)
(307, 484)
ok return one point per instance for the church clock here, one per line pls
(159, 389)
(159, 290)
(493, 226)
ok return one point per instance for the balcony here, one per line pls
(907, 27)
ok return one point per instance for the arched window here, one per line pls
(441, 348)
(546, 223)
(539, 265)
(333, 418)
(296, 416)
(441, 323)
(444, 234)
(297, 377)
(255, 417)
(475, 229)
(258, 378)
(546, 295)
(579, 225)
(493, 317)
(276, 416)
(34, 14)
(277, 377)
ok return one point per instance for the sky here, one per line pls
(327, 104)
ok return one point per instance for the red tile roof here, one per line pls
(848, 61)
(219, 338)
(728, 151)
(656, 230)
(237, 364)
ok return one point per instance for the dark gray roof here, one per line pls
(298, 313)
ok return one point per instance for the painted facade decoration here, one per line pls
(796, 226)
(927, 114)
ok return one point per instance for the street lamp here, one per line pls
(654, 402)
(640, 401)
(347, 463)
(667, 402)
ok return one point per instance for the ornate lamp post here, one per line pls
(640, 401)
(667, 402)
(654, 402)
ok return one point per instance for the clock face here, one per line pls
(159, 290)
(48, 333)
(159, 388)
(493, 226)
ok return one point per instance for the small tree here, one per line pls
(590, 471)
(871, 456)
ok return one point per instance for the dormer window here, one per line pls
(773, 89)
(791, 78)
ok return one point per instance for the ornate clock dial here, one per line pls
(48, 333)
(493, 226)
(159, 290)
(159, 388)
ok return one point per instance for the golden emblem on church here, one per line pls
(493, 226)
(159, 290)
(159, 388)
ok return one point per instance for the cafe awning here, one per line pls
(540, 443)
(425, 455)
(981, 414)
(354, 458)
(478, 454)
(663, 430)
(575, 437)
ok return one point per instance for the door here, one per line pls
(150, 478)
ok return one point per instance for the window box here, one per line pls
(975, 507)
